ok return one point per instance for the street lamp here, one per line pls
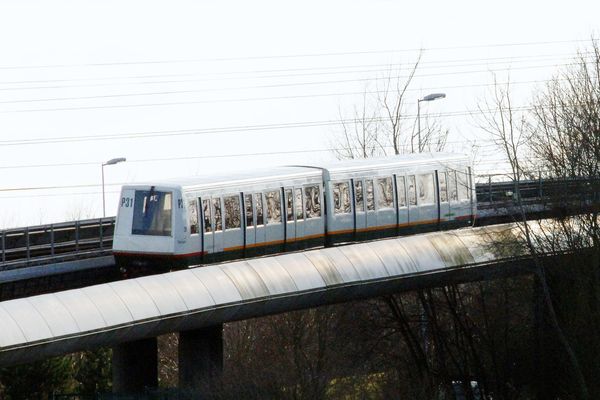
(429, 97)
(109, 162)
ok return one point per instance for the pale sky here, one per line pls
(179, 87)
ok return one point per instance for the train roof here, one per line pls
(232, 178)
(396, 161)
(251, 176)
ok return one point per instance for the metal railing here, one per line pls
(537, 189)
(47, 243)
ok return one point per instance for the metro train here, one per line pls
(213, 218)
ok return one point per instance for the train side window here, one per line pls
(370, 195)
(248, 207)
(385, 198)
(232, 212)
(216, 203)
(289, 202)
(258, 205)
(463, 185)
(312, 199)
(401, 187)
(452, 193)
(273, 199)
(341, 198)
(359, 199)
(206, 212)
(443, 187)
(426, 189)
(298, 201)
(412, 191)
(193, 216)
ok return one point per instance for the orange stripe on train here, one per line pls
(278, 242)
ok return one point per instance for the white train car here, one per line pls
(405, 194)
(211, 218)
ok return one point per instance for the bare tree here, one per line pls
(567, 119)
(78, 211)
(359, 136)
(566, 141)
(392, 101)
(296, 355)
(507, 128)
(560, 139)
(383, 123)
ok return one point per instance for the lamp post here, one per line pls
(429, 97)
(109, 162)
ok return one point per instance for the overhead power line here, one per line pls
(298, 84)
(213, 156)
(304, 55)
(215, 101)
(212, 101)
(205, 131)
(269, 86)
(383, 72)
(233, 129)
(341, 69)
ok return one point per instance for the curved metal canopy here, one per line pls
(58, 323)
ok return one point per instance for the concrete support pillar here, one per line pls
(200, 357)
(135, 366)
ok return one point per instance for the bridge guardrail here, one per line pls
(541, 189)
(23, 245)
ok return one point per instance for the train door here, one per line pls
(299, 215)
(384, 200)
(453, 195)
(444, 204)
(411, 197)
(426, 198)
(401, 201)
(233, 236)
(464, 193)
(259, 222)
(371, 214)
(340, 222)
(290, 221)
(359, 214)
(249, 221)
(274, 233)
(206, 211)
(196, 243)
(217, 234)
(314, 224)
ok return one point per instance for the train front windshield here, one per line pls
(152, 213)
